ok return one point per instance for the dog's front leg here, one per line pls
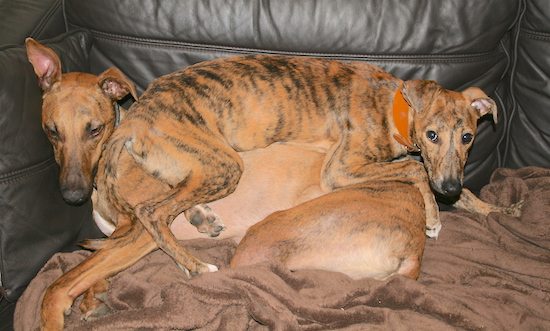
(470, 202)
(126, 246)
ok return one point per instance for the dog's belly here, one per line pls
(275, 178)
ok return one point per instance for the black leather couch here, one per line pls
(498, 45)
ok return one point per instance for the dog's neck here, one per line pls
(400, 113)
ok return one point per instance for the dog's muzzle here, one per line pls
(451, 188)
(74, 197)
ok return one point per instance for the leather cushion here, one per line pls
(529, 132)
(30, 18)
(457, 43)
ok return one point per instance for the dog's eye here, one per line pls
(95, 131)
(432, 136)
(51, 133)
(467, 138)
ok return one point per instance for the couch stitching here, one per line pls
(27, 172)
(425, 58)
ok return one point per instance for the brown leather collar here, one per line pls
(400, 112)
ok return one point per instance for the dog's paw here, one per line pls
(513, 210)
(206, 267)
(93, 305)
(205, 220)
(433, 231)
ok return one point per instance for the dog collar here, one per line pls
(117, 114)
(400, 112)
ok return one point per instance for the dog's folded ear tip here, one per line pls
(485, 106)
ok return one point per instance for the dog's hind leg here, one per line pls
(194, 178)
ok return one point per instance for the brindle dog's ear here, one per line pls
(481, 102)
(45, 62)
(116, 85)
(420, 93)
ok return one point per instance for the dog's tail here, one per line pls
(92, 244)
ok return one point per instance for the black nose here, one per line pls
(451, 188)
(74, 197)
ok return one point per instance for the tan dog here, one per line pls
(373, 229)
(185, 132)
(78, 116)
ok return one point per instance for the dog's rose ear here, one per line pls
(420, 93)
(45, 62)
(481, 102)
(116, 85)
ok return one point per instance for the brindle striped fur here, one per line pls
(185, 132)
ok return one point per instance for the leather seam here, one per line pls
(532, 34)
(424, 58)
(27, 172)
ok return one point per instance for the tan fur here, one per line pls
(373, 229)
(181, 142)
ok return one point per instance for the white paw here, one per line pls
(434, 232)
(211, 267)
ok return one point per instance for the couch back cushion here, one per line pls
(42, 19)
(529, 132)
(457, 43)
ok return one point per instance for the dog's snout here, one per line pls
(74, 196)
(451, 188)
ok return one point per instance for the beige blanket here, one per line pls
(483, 273)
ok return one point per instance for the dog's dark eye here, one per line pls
(467, 138)
(432, 136)
(51, 133)
(95, 131)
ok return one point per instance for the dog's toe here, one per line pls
(99, 310)
(434, 231)
(205, 220)
(514, 210)
(211, 267)
(94, 307)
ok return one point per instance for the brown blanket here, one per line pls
(483, 273)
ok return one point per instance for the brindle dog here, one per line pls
(187, 129)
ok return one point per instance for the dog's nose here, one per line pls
(74, 197)
(451, 188)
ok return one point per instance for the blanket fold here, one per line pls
(483, 273)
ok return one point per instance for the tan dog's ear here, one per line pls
(45, 62)
(116, 85)
(481, 102)
(420, 93)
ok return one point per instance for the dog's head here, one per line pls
(444, 125)
(78, 116)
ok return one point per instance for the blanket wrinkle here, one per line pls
(482, 273)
